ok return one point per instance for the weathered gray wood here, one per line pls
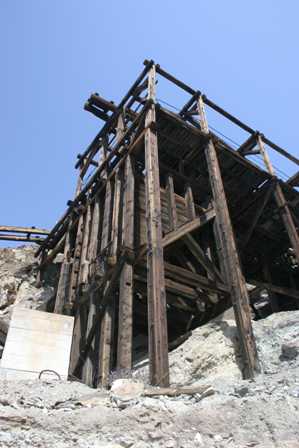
(28, 230)
(81, 309)
(89, 365)
(235, 279)
(157, 319)
(63, 288)
(171, 204)
(107, 323)
(199, 254)
(125, 317)
(190, 206)
(281, 202)
(258, 214)
(18, 238)
(115, 226)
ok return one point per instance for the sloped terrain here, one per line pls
(263, 413)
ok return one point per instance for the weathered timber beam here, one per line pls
(89, 365)
(115, 115)
(107, 323)
(156, 296)
(278, 289)
(181, 231)
(28, 230)
(194, 279)
(281, 202)
(248, 145)
(294, 180)
(226, 241)
(258, 214)
(27, 239)
(173, 287)
(224, 113)
(171, 203)
(125, 316)
(52, 239)
(190, 226)
(201, 257)
(100, 311)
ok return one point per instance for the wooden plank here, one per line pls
(235, 279)
(199, 254)
(259, 211)
(28, 230)
(293, 181)
(190, 226)
(89, 365)
(75, 264)
(106, 296)
(171, 204)
(63, 288)
(281, 202)
(25, 239)
(190, 206)
(125, 316)
(156, 297)
(107, 323)
(115, 226)
(80, 309)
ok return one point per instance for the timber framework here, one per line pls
(168, 226)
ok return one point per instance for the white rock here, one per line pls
(126, 389)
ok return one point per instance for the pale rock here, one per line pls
(126, 389)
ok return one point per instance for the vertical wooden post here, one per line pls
(190, 206)
(156, 297)
(106, 332)
(65, 270)
(125, 321)
(281, 202)
(225, 236)
(88, 368)
(116, 202)
(80, 309)
(171, 204)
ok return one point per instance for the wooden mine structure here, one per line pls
(168, 227)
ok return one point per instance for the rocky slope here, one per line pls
(263, 413)
(18, 284)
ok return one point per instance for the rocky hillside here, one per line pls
(234, 414)
(18, 286)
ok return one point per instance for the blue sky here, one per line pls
(54, 53)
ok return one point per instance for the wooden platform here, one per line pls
(168, 226)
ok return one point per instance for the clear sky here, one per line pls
(54, 53)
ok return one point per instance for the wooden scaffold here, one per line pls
(168, 226)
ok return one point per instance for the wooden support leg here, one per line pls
(64, 278)
(190, 206)
(89, 366)
(281, 202)
(81, 311)
(157, 319)
(287, 219)
(125, 321)
(225, 239)
(106, 331)
(235, 278)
